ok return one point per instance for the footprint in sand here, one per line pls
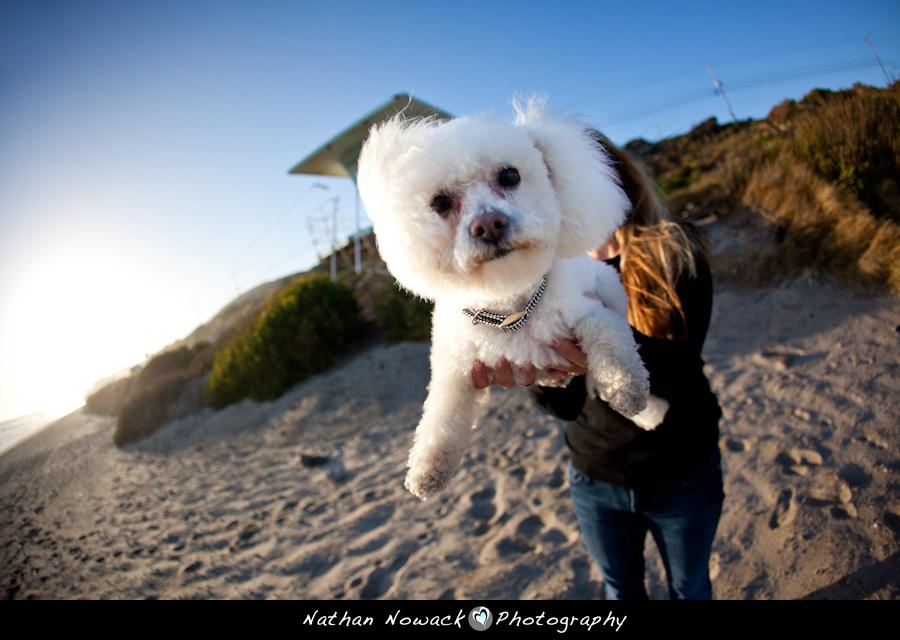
(286, 510)
(736, 445)
(482, 510)
(381, 580)
(244, 539)
(855, 476)
(831, 490)
(800, 461)
(835, 492)
(892, 517)
(530, 527)
(522, 540)
(557, 479)
(509, 546)
(371, 517)
(780, 360)
(534, 528)
(785, 510)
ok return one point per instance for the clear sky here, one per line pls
(144, 146)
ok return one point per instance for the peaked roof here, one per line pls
(338, 156)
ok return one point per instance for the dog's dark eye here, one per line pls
(441, 204)
(508, 177)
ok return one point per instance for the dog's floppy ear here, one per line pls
(593, 204)
(383, 189)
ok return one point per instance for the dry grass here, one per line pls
(147, 410)
(824, 172)
(825, 227)
(150, 394)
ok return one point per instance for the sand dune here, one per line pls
(303, 497)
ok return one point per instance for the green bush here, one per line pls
(299, 333)
(402, 316)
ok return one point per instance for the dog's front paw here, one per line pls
(627, 395)
(653, 415)
(424, 485)
(628, 400)
(628, 403)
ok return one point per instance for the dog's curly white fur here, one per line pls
(472, 213)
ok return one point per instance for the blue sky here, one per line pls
(144, 147)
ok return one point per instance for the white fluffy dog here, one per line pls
(492, 220)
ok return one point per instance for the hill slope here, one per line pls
(822, 173)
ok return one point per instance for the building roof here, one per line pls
(338, 157)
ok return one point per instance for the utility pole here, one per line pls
(357, 258)
(334, 212)
(868, 39)
(721, 92)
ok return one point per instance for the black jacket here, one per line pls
(610, 448)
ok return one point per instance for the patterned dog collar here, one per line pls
(511, 322)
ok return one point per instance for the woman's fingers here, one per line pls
(481, 378)
(571, 352)
(502, 375)
(527, 375)
(505, 375)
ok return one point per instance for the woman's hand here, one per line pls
(508, 376)
(502, 375)
(572, 352)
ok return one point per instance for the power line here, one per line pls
(738, 85)
(276, 220)
(804, 72)
(222, 277)
(655, 107)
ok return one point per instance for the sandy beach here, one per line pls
(303, 498)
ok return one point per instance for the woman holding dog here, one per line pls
(625, 481)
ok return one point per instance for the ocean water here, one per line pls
(12, 432)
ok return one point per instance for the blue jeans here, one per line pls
(682, 516)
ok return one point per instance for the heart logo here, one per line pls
(480, 618)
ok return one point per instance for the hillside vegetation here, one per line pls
(296, 331)
(824, 172)
(299, 333)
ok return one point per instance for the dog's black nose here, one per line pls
(489, 226)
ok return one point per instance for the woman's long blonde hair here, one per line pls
(655, 251)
